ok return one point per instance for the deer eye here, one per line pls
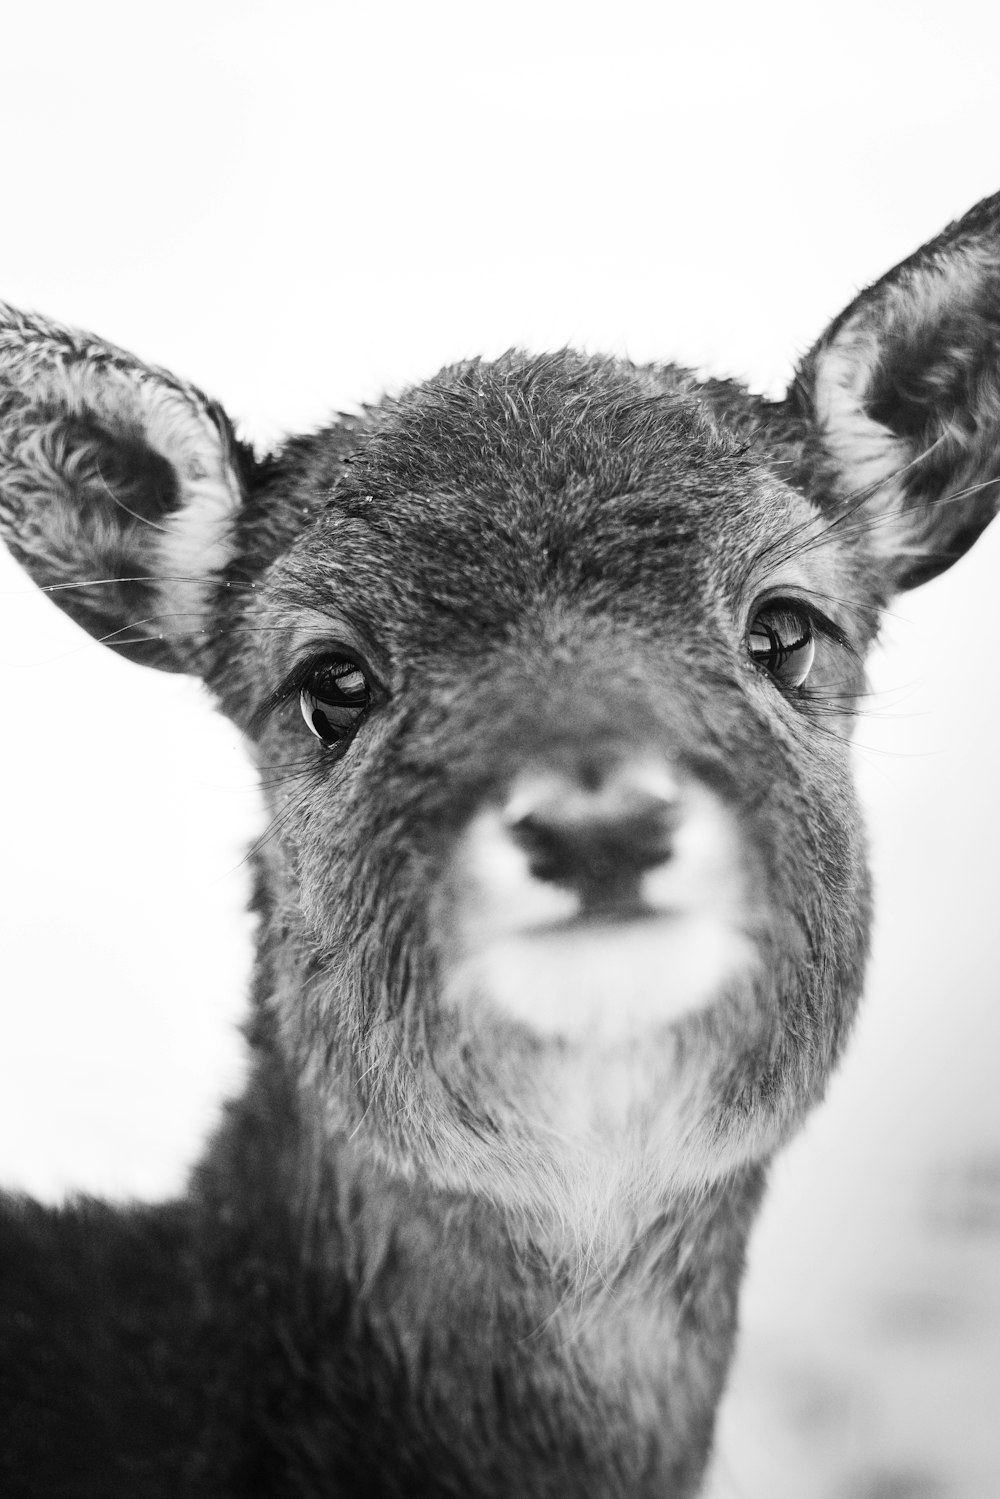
(334, 698)
(780, 640)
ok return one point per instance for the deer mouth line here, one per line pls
(599, 918)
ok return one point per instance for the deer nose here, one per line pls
(596, 834)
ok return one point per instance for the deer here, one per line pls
(550, 667)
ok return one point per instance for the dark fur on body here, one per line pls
(396, 1346)
(393, 1274)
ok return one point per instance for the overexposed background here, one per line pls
(299, 204)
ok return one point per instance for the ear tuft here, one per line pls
(119, 488)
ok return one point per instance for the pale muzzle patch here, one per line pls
(528, 950)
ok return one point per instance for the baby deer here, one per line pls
(549, 667)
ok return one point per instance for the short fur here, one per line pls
(431, 1252)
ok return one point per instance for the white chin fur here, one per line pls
(605, 980)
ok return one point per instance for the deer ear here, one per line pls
(119, 488)
(904, 396)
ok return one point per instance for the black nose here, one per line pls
(596, 837)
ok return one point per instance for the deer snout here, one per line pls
(595, 902)
(595, 834)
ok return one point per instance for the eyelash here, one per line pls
(821, 627)
(291, 686)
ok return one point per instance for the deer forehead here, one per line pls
(454, 568)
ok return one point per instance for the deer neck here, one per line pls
(628, 1356)
(598, 1378)
(495, 1321)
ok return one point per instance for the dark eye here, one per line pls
(780, 640)
(334, 699)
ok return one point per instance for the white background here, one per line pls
(297, 205)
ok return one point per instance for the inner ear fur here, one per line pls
(119, 488)
(903, 394)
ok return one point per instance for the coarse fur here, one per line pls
(562, 916)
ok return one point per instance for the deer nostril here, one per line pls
(564, 847)
(590, 837)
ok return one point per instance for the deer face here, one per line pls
(549, 667)
(550, 700)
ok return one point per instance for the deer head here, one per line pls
(549, 666)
